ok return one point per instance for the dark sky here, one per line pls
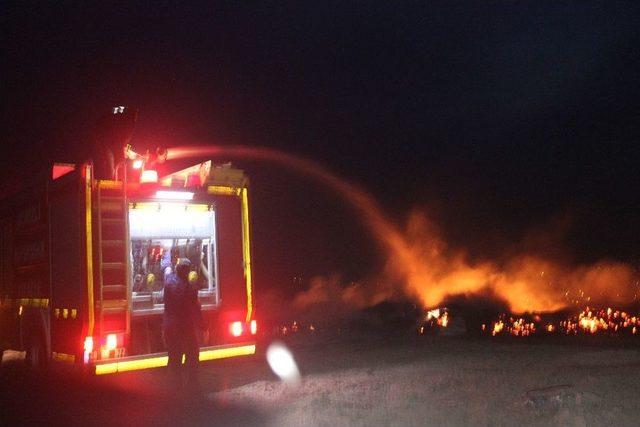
(500, 117)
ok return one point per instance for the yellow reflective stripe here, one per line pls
(89, 242)
(246, 249)
(246, 239)
(27, 302)
(220, 190)
(131, 365)
(222, 353)
(105, 184)
(159, 361)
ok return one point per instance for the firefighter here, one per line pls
(182, 323)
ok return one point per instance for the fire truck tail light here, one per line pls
(149, 176)
(112, 342)
(88, 344)
(254, 327)
(236, 329)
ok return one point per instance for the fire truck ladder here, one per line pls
(114, 297)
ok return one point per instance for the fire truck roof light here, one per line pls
(174, 195)
(149, 176)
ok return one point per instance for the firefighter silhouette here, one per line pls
(112, 134)
(182, 323)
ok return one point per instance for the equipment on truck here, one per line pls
(83, 260)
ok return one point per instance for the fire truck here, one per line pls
(83, 262)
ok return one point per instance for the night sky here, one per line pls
(502, 120)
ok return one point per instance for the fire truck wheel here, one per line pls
(36, 354)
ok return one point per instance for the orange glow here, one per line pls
(432, 271)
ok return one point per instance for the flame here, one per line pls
(444, 320)
(429, 270)
(497, 328)
(528, 283)
(588, 321)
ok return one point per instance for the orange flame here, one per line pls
(429, 270)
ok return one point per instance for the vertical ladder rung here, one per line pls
(112, 211)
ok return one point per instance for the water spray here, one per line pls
(419, 258)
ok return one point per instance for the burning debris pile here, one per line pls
(605, 321)
(436, 318)
(295, 327)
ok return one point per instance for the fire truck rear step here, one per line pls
(114, 305)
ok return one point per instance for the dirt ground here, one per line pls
(361, 381)
(454, 382)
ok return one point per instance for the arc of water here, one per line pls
(382, 229)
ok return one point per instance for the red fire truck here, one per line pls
(83, 262)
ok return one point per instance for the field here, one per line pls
(409, 381)
(363, 380)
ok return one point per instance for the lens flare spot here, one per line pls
(282, 363)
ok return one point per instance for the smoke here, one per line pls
(526, 281)
(426, 268)
(431, 272)
(329, 297)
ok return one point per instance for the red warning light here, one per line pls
(61, 169)
(236, 329)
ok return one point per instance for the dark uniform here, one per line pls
(182, 321)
